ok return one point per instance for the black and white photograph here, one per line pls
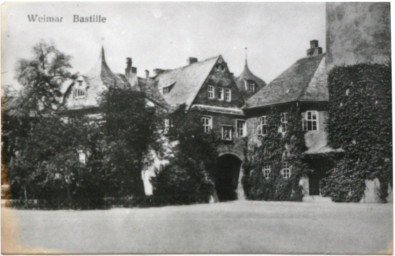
(196, 128)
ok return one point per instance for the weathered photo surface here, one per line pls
(174, 127)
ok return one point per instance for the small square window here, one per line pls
(284, 121)
(228, 95)
(211, 92)
(263, 126)
(207, 122)
(82, 157)
(251, 85)
(310, 122)
(241, 128)
(227, 133)
(286, 170)
(266, 171)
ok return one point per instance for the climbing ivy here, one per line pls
(360, 123)
(274, 149)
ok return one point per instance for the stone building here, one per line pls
(209, 87)
(303, 86)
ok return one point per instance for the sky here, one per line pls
(165, 34)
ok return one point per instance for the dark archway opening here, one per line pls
(227, 177)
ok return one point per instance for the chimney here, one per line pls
(134, 70)
(128, 62)
(147, 73)
(314, 49)
(128, 68)
(191, 60)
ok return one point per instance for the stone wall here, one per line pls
(358, 33)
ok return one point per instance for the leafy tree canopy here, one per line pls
(42, 77)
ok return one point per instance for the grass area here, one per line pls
(232, 227)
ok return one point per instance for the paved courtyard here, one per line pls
(234, 227)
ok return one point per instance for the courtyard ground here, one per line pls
(232, 227)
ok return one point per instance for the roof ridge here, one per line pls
(188, 65)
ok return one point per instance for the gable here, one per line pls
(91, 98)
(185, 82)
(221, 81)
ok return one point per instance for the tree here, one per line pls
(131, 131)
(41, 78)
(189, 176)
(48, 167)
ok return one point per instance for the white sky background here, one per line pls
(164, 35)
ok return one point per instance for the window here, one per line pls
(168, 125)
(211, 92)
(81, 157)
(263, 127)
(228, 95)
(284, 122)
(241, 128)
(166, 89)
(220, 94)
(207, 122)
(310, 122)
(78, 93)
(266, 171)
(286, 170)
(226, 132)
(220, 67)
(251, 86)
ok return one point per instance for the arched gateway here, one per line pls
(228, 177)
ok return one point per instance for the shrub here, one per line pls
(182, 182)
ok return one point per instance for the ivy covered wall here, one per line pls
(273, 151)
(360, 123)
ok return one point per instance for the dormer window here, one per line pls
(211, 92)
(79, 93)
(250, 85)
(167, 89)
(220, 94)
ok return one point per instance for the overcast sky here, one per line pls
(164, 35)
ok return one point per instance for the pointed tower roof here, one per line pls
(247, 75)
(101, 73)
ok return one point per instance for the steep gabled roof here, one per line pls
(305, 80)
(246, 74)
(185, 82)
(101, 73)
